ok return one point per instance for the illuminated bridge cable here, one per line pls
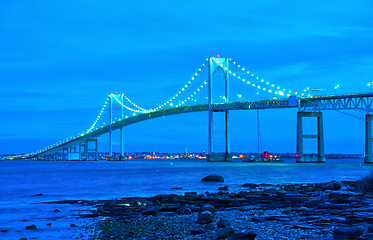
(273, 87)
(135, 105)
(171, 100)
(99, 116)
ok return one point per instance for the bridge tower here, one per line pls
(223, 64)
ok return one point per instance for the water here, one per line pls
(22, 181)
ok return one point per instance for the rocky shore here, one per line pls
(333, 210)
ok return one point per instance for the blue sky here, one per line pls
(60, 59)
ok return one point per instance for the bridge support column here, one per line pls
(319, 136)
(63, 153)
(82, 155)
(368, 139)
(88, 149)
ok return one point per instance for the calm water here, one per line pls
(21, 181)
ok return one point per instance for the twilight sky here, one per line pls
(60, 59)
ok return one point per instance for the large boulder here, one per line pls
(333, 185)
(213, 178)
(208, 207)
(205, 217)
(223, 233)
(347, 233)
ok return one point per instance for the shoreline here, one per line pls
(264, 211)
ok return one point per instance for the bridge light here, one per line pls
(272, 85)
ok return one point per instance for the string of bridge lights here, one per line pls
(135, 105)
(171, 100)
(276, 88)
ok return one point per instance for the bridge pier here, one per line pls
(319, 136)
(81, 154)
(368, 139)
(95, 149)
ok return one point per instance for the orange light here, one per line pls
(218, 55)
(241, 156)
(297, 155)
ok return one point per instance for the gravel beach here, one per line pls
(332, 210)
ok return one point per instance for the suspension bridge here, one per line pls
(223, 87)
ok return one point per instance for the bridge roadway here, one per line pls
(363, 102)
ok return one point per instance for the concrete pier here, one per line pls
(319, 136)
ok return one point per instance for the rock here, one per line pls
(56, 210)
(225, 188)
(333, 185)
(250, 185)
(370, 228)
(176, 188)
(31, 227)
(100, 210)
(243, 236)
(209, 227)
(208, 207)
(213, 178)
(223, 223)
(347, 233)
(23, 239)
(49, 224)
(150, 211)
(39, 194)
(196, 231)
(223, 233)
(184, 210)
(166, 198)
(4, 230)
(191, 195)
(205, 217)
(72, 225)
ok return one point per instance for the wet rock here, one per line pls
(39, 194)
(49, 224)
(176, 188)
(333, 185)
(31, 227)
(191, 195)
(150, 211)
(196, 231)
(4, 230)
(23, 239)
(223, 223)
(250, 185)
(223, 233)
(56, 210)
(205, 217)
(347, 233)
(208, 207)
(243, 236)
(225, 188)
(100, 210)
(213, 178)
(166, 198)
(209, 227)
(24, 220)
(72, 225)
(184, 210)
